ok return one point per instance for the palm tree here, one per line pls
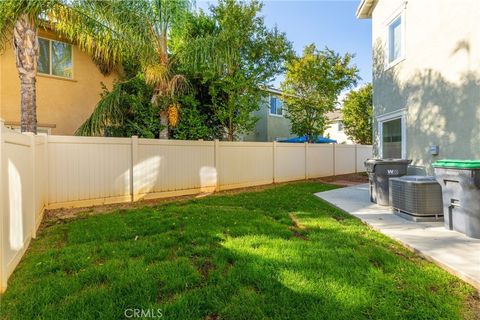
(154, 20)
(94, 25)
(158, 69)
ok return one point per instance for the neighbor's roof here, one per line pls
(272, 90)
(364, 10)
(334, 115)
(275, 91)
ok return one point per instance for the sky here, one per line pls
(330, 23)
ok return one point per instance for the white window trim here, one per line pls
(275, 115)
(269, 110)
(340, 126)
(50, 74)
(400, 12)
(400, 114)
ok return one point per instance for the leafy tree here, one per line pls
(151, 21)
(233, 54)
(357, 114)
(197, 118)
(160, 16)
(125, 111)
(193, 125)
(87, 23)
(312, 85)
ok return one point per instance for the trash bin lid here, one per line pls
(457, 164)
(387, 161)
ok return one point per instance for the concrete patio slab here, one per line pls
(451, 250)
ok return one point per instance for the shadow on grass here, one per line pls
(228, 257)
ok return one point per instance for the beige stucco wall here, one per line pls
(62, 103)
(438, 82)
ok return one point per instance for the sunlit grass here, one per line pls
(280, 253)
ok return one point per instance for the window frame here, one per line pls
(281, 115)
(340, 125)
(401, 114)
(398, 14)
(50, 74)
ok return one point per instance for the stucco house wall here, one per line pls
(436, 86)
(259, 132)
(334, 129)
(278, 127)
(268, 127)
(62, 104)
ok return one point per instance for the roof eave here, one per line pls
(364, 10)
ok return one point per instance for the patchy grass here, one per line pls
(279, 253)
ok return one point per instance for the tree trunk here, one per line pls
(25, 43)
(230, 136)
(230, 131)
(164, 123)
(163, 87)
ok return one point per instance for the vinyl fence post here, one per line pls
(333, 148)
(33, 181)
(274, 152)
(3, 262)
(134, 159)
(356, 159)
(47, 173)
(306, 160)
(216, 157)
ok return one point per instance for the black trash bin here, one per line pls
(460, 181)
(379, 171)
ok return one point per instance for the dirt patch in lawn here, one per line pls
(346, 180)
(205, 269)
(298, 228)
(296, 223)
(472, 307)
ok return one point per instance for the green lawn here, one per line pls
(280, 253)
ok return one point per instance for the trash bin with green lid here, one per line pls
(379, 172)
(460, 181)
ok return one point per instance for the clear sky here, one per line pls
(329, 23)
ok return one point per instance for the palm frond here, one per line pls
(207, 51)
(108, 112)
(177, 85)
(11, 10)
(156, 74)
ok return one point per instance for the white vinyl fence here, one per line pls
(48, 172)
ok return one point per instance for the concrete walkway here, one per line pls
(451, 250)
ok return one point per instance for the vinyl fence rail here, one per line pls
(49, 172)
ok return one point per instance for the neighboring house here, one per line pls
(426, 79)
(335, 129)
(272, 124)
(68, 86)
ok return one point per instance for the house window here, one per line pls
(276, 106)
(395, 51)
(395, 40)
(340, 125)
(392, 138)
(55, 58)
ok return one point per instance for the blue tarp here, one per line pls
(305, 139)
